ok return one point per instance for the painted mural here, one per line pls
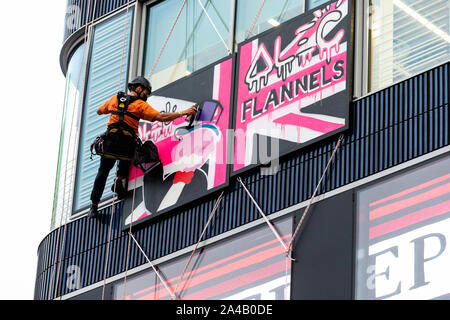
(292, 86)
(194, 158)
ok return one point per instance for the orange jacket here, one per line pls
(139, 108)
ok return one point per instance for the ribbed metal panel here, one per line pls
(389, 127)
(80, 12)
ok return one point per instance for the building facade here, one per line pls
(324, 129)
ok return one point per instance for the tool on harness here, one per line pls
(146, 156)
(119, 141)
(208, 111)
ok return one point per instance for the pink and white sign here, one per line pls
(293, 84)
(194, 158)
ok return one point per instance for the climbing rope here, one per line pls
(255, 19)
(167, 39)
(199, 240)
(84, 57)
(123, 45)
(117, 179)
(214, 26)
(153, 267)
(272, 228)
(289, 250)
(105, 271)
(288, 258)
(129, 238)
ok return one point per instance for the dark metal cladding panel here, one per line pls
(388, 127)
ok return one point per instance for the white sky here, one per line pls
(33, 94)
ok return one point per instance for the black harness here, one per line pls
(124, 101)
(120, 142)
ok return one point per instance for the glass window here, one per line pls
(69, 131)
(194, 42)
(407, 37)
(107, 75)
(272, 14)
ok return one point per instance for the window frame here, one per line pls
(142, 31)
(104, 202)
(362, 49)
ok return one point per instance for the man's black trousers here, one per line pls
(106, 164)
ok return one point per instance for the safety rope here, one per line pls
(272, 228)
(255, 19)
(123, 45)
(84, 57)
(167, 39)
(153, 267)
(117, 179)
(105, 270)
(129, 238)
(198, 242)
(286, 277)
(288, 258)
(289, 250)
(214, 26)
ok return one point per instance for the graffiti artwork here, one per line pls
(293, 85)
(193, 157)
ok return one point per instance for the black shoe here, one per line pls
(93, 212)
(120, 189)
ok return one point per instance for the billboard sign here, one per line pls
(293, 85)
(194, 159)
(403, 233)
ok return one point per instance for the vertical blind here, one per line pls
(107, 75)
(408, 37)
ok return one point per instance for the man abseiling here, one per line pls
(139, 90)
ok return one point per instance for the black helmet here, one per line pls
(140, 81)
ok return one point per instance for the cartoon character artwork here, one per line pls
(293, 85)
(193, 155)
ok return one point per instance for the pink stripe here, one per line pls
(223, 270)
(215, 264)
(416, 188)
(409, 202)
(132, 173)
(238, 282)
(307, 122)
(224, 98)
(409, 219)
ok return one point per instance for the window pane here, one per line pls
(69, 131)
(315, 3)
(194, 42)
(107, 75)
(272, 13)
(408, 37)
